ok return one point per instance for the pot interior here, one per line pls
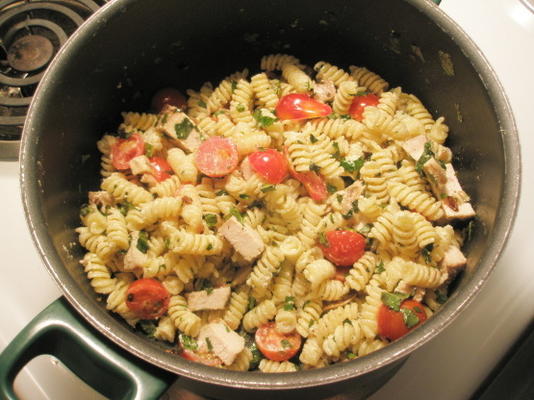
(132, 48)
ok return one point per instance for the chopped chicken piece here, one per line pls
(453, 261)
(180, 127)
(134, 258)
(245, 240)
(214, 299)
(452, 187)
(351, 195)
(222, 341)
(417, 293)
(140, 165)
(415, 146)
(454, 211)
(101, 198)
(436, 173)
(149, 180)
(324, 91)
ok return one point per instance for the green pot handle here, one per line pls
(59, 331)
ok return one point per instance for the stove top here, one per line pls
(451, 367)
(31, 33)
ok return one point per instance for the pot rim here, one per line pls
(104, 323)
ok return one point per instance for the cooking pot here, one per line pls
(129, 49)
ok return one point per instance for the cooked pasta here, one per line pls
(242, 244)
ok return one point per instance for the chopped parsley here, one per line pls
(361, 93)
(393, 300)
(149, 150)
(209, 246)
(211, 219)
(323, 240)
(425, 252)
(314, 167)
(167, 243)
(256, 356)
(289, 303)
(203, 284)
(164, 119)
(366, 229)
(234, 86)
(85, 211)
(469, 230)
(183, 129)
(235, 212)
(339, 198)
(351, 355)
(240, 108)
(331, 188)
(221, 193)
(409, 317)
(427, 155)
(380, 267)
(441, 297)
(251, 303)
(148, 327)
(352, 166)
(310, 323)
(142, 242)
(202, 104)
(313, 139)
(285, 343)
(337, 154)
(263, 120)
(267, 188)
(347, 321)
(208, 343)
(244, 196)
(188, 342)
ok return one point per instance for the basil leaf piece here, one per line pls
(427, 155)
(183, 129)
(409, 317)
(289, 303)
(267, 188)
(352, 166)
(188, 342)
(235, 212)
(148, 327)
(263, 120)
(323, 240)
(380, 267)
(211, 219)
(393, 300)
(142, 242)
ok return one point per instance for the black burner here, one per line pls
(31, 33)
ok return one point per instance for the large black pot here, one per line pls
(130, 48)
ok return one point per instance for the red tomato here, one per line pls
(168, 96)
(359, 103)
(217, 157)
(301, 106)
(313, 183)
(344, 247)
(147, 298)
(160, 168)
(270, 164)
(277, 346)
(391, 323)
(201, 357)
(126, 149)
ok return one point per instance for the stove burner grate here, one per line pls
(31, 33)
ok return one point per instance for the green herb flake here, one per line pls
(256, 356)
(322, 240)
(234, 86)
(208, 343)
(352, 166)
(167, 243)
(289, 304)
(148, 327)
(183, 129)
(142, 242)
(339, 198)
(313, 139)
(345, 116)
(149, 150)
(425, 253)
(251, 303)
(337, 153)
(469, 230)
(244, 196)
(188, 342)
(310, 323)
(267, 188)
(366, 229)
(240, 108)
(85, 211)
(221, 193)
(441, 297)
(361, 93)
(380, 267)
(427, 155)
(263, 120)
(351, 355)
(347, 321)
(355, 207)
(235, 212)
(393, 300)
(211, 219)
(209, 246)
(331, 188)
(314, 167)
(285, 343)
(409, 317)
(202, 104)
(164, 119)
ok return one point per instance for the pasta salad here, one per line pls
(283, 220)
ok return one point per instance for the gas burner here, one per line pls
(31, 33)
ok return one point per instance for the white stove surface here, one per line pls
(451, 366)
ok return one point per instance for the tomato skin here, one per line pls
(147, 298)
(202, 358)
(312, 182)
(167, 96)
(390, 322)
(270, 164)
(160, 168)
(217, 157)
(359, 103)
(296, 106)
(124, 150)
(269, 342)
(344, 247)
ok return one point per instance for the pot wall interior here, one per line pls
(125, 54)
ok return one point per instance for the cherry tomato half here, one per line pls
(147, 298)
(359, 103)
(277, 346)
(344, 248)
(270, 164)
(216, 157)
(297, 106)
(125, 149)
(168, 96)
(201, 357)
(312, 182)
(391, 323)
(161, 169)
